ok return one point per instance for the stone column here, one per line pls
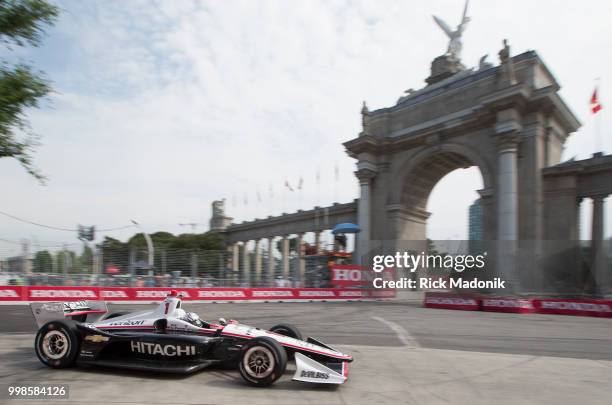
(301, 260)
(235, 261)
(598, 261)
(257, 280)
(507, 129)
(507, 213)
(365, 176)
(285, 255)
(317, 241)
(246, 266)
(270, 273)
(507, 201)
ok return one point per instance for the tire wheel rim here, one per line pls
(258, 362)
(55, 345)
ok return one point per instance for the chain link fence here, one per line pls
(170, 268)
(119, 267)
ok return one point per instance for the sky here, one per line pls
(161, 107)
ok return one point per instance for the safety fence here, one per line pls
(16, 294)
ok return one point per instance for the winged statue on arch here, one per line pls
(454, 45)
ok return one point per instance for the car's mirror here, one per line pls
(222, 321)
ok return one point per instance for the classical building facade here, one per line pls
(510, 122)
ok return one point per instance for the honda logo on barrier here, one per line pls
(576, 306)
(317, 293)
(507, 303)
(351, 293)
(113, 294)
(158, 294)
(221, 294)
(62, 294)
(272, 294)
(8, 294)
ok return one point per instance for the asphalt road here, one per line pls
(363, 323)
(403, 354)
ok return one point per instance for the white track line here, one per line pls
(402, 334)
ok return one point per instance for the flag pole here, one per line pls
(318, 186)
(336, 178)
(597, 123)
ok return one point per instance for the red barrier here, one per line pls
(11, 293)
(507, 304)
(474, 302)
(580, 307)
(47, 293)
(447, 300)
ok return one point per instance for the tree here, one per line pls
(66, 261)
(85, 261)
(43, 262)
(21, 23)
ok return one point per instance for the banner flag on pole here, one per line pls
(288, 185)
(300, 183)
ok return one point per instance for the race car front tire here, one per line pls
(287, 329)
(57, 344)
(262, 361)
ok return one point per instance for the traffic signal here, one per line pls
(86, 233)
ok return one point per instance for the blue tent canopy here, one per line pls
(345, 227)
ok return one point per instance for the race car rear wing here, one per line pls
(79, 311)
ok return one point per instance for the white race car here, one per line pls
(169, 339)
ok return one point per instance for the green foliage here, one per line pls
(21, 22)
(292, 245)
(171, 252)
(43, 262)
(204, 241)
(66, 261)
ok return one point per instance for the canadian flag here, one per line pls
(595, 105)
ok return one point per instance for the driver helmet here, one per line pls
(193, 318)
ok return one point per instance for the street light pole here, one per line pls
(150, 250)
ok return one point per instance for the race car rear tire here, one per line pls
(286, 329)
(57, 344)
(262, 361)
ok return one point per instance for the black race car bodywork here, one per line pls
(168, 339)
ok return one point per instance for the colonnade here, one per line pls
(254, 262)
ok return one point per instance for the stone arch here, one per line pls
(416, 177)
(448, 155)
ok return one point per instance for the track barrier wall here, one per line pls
(17, 294)
(557, 306)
